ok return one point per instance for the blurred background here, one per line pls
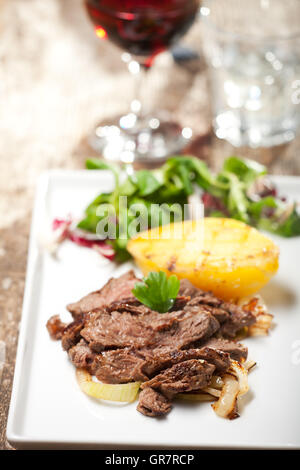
(57, 82)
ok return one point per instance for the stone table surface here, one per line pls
(56, 81)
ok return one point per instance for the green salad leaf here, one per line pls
(285, 222)
(256, 208)
(159, 195)
(97, 164)
(246, 170)
(290, 226)
(235, 200)
(157, 292)
(146, 182)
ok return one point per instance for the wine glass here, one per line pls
(143, 28)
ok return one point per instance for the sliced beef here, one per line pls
(126, 365)
(71, 334)
(237, 351)
(55, 327)
(193, 374)
(114, 290)
(119, 340)
(188, 328)
(205, 298)
(152, 403)
(187, 289)
(116, 330)
(238, 319)
(82, 356)
(159, 359)
(219, 313)
(132, 305)
(180, 302)
(231, 317)
(120, 366)
(220, 359)
(128, 305)
(164, 322)
(175, 329)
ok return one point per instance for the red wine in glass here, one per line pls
(144, 28)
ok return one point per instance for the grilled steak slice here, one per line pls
(193, 374)
(238, 319)
(180, 302)
(198, 296)
(114, 289)
(231, 317)
(128, 305)
(55, 327)
(205, 298)
(188, 328)
(82, 356)
(116, 330)
(126, 365)
(152, 403)
(175, 329)
(120, 366)
(132, 305)
(187, 289)
(237, 351)
(220, 359)
(71, 334)
(159, 359)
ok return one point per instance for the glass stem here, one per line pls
(140, 103)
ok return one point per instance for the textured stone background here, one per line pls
(56, 80)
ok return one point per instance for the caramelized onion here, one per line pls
(258, 308)
(242, 376)
(225, 407)
(212, 391)
(216, 382)
(249, 365)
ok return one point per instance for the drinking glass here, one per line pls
(143, 28)
(253, 53)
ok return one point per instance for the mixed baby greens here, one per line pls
(240, 191)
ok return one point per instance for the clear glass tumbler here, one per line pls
(253, 52)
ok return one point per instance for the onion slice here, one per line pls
(216, 382)
(249, 365)
(242, 376)
(195, 397)
(258, 308)
(225, 407)
(212, 391)
(112, 392)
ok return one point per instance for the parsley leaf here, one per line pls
(157, 291)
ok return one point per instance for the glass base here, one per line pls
(129, 139)
(227, 127)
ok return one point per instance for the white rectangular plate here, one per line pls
(48, 409)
